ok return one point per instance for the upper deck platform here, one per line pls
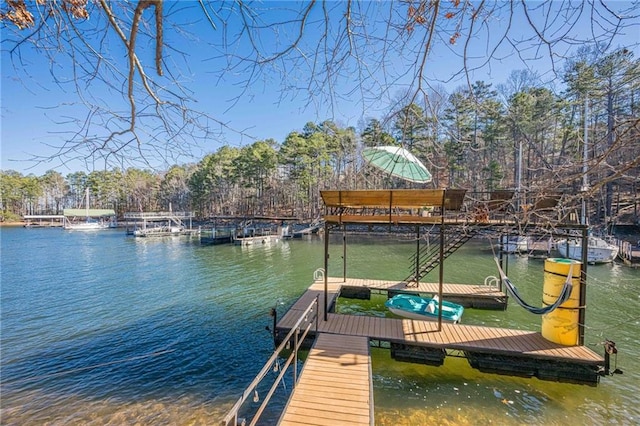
(398, 206)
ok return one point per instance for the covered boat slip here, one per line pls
(158, 224)
(412, 208)
(43, 220)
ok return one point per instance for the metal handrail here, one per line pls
(492, 282)
(318, 274)
(232, 417)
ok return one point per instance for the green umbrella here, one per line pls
(397, 161)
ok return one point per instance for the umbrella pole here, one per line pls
(417, 270)
(326, 267)
(441, 274)
(344, 253)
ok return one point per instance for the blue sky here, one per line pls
(35, 110)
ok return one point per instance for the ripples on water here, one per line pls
(98, 328)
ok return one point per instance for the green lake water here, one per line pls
(100, 328)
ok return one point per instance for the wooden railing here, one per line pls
(298, 333)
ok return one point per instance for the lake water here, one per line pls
(99, 328)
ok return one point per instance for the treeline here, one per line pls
(519, 135)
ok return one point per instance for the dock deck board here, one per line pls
(335, 384)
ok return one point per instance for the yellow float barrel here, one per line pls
(561, 324)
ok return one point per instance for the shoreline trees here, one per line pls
(528, 139)
(132, 108)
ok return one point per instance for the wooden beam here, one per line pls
(397, 198)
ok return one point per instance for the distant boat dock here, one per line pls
(43, 220)
(160, 224)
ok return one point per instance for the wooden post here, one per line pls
(583, 286)
(417, 273)
(274, 314)
(317, 315)
(344, 253)
(295, 358)
(441, 275)
(441, 260)
(326, 268)
(506, 263)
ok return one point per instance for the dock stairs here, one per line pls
(428, 256)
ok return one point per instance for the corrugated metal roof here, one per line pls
(92, 212)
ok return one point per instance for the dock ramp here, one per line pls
(335, 386)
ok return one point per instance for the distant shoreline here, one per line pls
(11, 224)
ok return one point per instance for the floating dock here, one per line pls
(336, 383)
(255, 239)
(489, 349)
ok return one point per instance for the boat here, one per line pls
(416, 307)
(158, 231)
(599, 250)
(88, 222)
(218, 235)
(249, 236)
(514, 244)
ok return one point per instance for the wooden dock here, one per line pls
(489, 349)
(481, 296)
(629, 253)
(335, 384)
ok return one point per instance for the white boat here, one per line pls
(86, 223)
(158, 231)
(598, 249)
(514, 244)
(249, 236)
